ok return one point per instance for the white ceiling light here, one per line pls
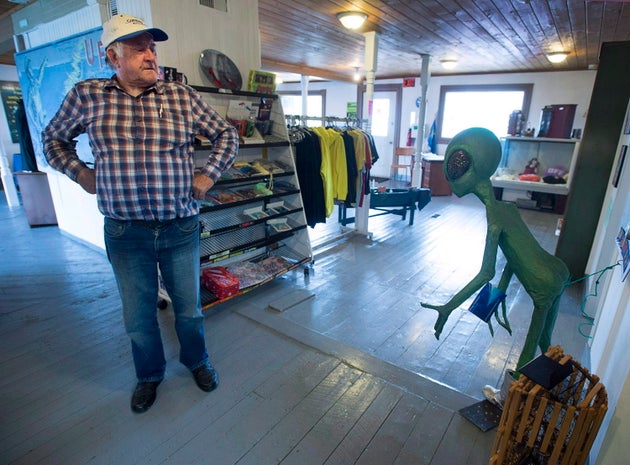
(448, 64)
(557, 57)
(352, 19)
(357, 75)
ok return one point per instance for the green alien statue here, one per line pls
(471, 158)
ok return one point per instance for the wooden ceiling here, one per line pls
(6, 10)
(484, 36)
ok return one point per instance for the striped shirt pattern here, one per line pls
(143, 146)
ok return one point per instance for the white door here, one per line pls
(383, 130)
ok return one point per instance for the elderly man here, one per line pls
(141, 131)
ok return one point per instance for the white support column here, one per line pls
(371, 51)
(304, 88)
(7, 180)
(422, 111)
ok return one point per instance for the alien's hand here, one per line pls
(444, 309)
(444, 312)
(431, 306)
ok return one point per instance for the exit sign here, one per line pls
(409, 82)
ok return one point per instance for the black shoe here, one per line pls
(206, 378)
(144, 396)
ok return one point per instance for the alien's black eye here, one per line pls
(458, 163)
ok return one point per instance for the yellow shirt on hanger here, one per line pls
(338, 165)
(326, 170)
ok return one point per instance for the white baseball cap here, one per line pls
(123, 27)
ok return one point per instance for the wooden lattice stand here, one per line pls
(556, 426)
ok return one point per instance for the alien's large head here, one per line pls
(472, 155)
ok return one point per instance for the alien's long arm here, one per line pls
(486, 273)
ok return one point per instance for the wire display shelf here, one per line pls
(293, 258)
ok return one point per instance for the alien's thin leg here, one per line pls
(550, 322)
(539, 317)
(506, 277)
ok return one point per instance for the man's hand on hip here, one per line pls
(201, 185)
(87, 180)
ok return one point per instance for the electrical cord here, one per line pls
(590, 321)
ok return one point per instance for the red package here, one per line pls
(529, 177)
(219, 281)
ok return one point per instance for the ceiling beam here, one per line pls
(304, 70)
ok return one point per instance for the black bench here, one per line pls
(393, 201)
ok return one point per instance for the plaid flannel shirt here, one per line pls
(143, 146)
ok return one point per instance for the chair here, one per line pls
(401, 155)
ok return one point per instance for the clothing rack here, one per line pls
(295, 122)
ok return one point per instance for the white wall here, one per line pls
(8, 148)
(549, 88)
(615, 448)
(193, 28)
(338, 94)
(610, 306)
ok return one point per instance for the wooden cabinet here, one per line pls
(433, 176)
(554, 153)
(252, 220)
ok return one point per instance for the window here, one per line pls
(220, 5)
(380, 117)
(316, 102)
(487, 106)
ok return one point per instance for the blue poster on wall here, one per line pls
(48, 72)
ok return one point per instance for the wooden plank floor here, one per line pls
(386, 278)
(342, 378)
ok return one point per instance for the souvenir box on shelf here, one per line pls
(220, 281)
(256, 213)
(261, 82)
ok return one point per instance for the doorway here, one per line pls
(385, 128)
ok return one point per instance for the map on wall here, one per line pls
(48, 72)
(11, 94)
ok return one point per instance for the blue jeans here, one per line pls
(135, 250)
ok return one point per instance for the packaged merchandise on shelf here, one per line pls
(220, 281)
(242, 110)
(264, 109)
(223, 196)
(556, 175)
(245, 168)
(275, 265)
(261, 188)
(256, 213)
(232, 173)
(279, 224)
(261, 82)
(281, 187)
(275, 208)
(269, 167)
(248, 273)
(247, 193)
